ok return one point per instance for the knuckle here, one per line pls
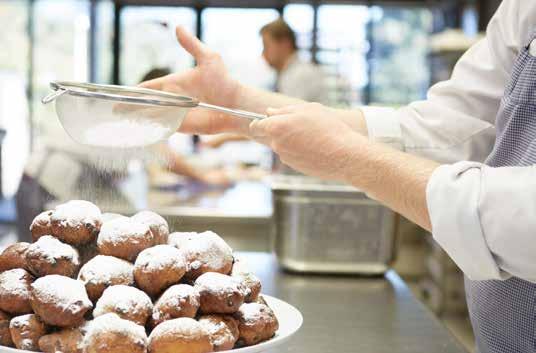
(212, 55)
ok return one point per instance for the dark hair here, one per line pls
(280, 30)
(156, 73)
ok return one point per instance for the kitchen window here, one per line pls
(148, 40)
(234, 33)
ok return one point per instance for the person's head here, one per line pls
(156, 72)
(279, 42)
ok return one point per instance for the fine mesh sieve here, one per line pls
(120, 116)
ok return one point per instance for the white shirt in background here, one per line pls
(484, 217)
(14, 119)
(303, 80)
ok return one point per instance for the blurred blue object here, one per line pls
(8, 212)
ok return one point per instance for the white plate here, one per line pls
(290, 320)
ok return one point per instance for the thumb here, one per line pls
(285, 110)
(191, 44)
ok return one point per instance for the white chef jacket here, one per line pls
(484, 217)
(303, 80)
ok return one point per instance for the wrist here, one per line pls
(355, 119)
(237, 94)
(359, 170)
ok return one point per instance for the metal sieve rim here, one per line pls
(118, 94)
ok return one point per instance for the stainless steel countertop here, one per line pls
(353, 314)
(246, 201)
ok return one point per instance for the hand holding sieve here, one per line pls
(119, 116)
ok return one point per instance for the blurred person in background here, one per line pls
(295, 77)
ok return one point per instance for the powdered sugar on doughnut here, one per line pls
(76, 213)
(218, 283)
(179, 239)
(123, 299)
(21, 321)
(102, 269)
(42, 219)
(152, 219)
(176, 296)
(220, 332)
(68, 293)
(253, 312)
(51, 249)
(108, 323)
(120, 230)
(181, 327)
(160, 257)
(14, 282)
(207, 249)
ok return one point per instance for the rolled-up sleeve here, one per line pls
(484, 218)
(456, 121)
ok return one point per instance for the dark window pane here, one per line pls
(399, 66)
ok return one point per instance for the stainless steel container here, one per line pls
(329, 227)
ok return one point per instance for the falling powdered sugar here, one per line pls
(125, 134)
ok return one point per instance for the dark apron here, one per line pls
(503, 313)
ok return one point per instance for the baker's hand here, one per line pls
(210, 82)
(311, 138)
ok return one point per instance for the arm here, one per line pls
(482, 216)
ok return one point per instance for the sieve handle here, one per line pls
(236, 112)
(52, 96)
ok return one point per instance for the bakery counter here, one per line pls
(353, 314)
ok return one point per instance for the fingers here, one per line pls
(206, 122)
(156, 84)
(265, 130)
(284, 110)
(191, 44)
(288, 109)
